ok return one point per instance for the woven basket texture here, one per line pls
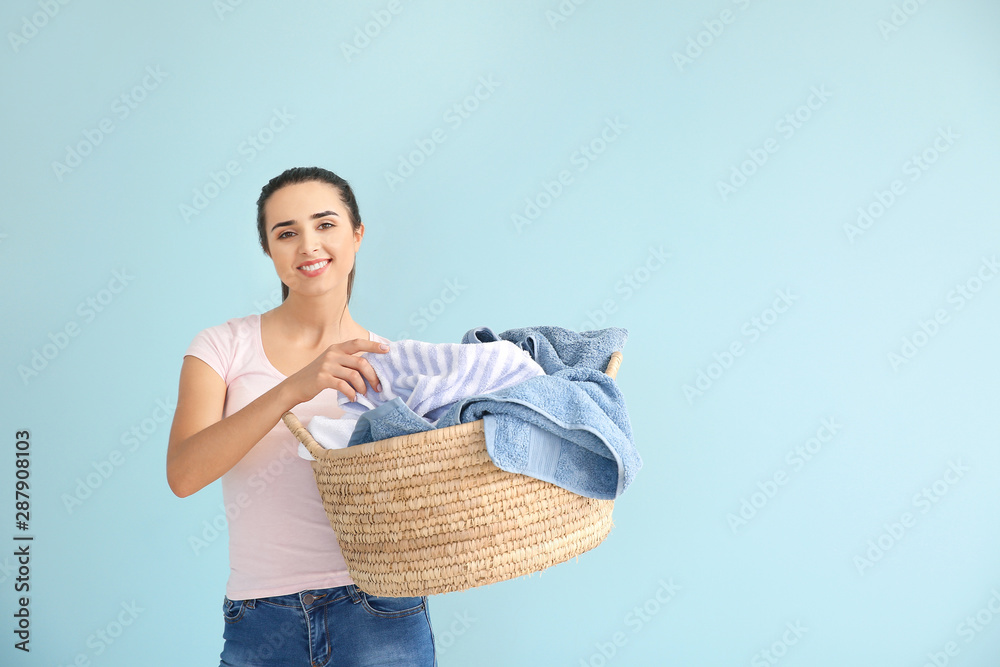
(430, 513)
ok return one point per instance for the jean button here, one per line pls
(308, 598)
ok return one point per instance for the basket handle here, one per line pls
(613, 364)
(303, 436)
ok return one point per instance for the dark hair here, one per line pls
(306, 175)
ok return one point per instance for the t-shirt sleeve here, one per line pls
(215, 348)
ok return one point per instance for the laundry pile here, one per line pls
(549, 410)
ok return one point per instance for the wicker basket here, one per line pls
(430, 513)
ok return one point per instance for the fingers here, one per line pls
(360, 345)
(358, 368)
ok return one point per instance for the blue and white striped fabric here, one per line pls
(428, 378)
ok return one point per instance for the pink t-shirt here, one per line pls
(280, 540)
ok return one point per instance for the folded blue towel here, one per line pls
(555, 348)
(386, 421)
(572, 430)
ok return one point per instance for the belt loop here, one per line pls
(355, 594)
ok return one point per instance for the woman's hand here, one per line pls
(338, 367)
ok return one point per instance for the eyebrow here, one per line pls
(314, 216)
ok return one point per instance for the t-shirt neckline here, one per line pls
(259, 339)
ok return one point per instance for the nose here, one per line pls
(308, 242)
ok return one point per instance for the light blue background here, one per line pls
(655, 186)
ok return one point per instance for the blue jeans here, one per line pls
(328, 627)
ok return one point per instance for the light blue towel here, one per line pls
(572, 430)
(555, 348)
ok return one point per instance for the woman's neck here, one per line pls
(313, 321)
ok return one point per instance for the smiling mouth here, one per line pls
(315, 266)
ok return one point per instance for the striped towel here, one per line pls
(428, 378)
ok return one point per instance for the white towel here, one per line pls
(330, 433)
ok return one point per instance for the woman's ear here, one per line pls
(358, 235)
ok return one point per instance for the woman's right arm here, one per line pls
(203, 446)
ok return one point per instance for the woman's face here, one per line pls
(310, 238)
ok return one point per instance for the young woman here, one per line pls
(289, 600)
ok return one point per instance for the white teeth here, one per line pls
(314, 267)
